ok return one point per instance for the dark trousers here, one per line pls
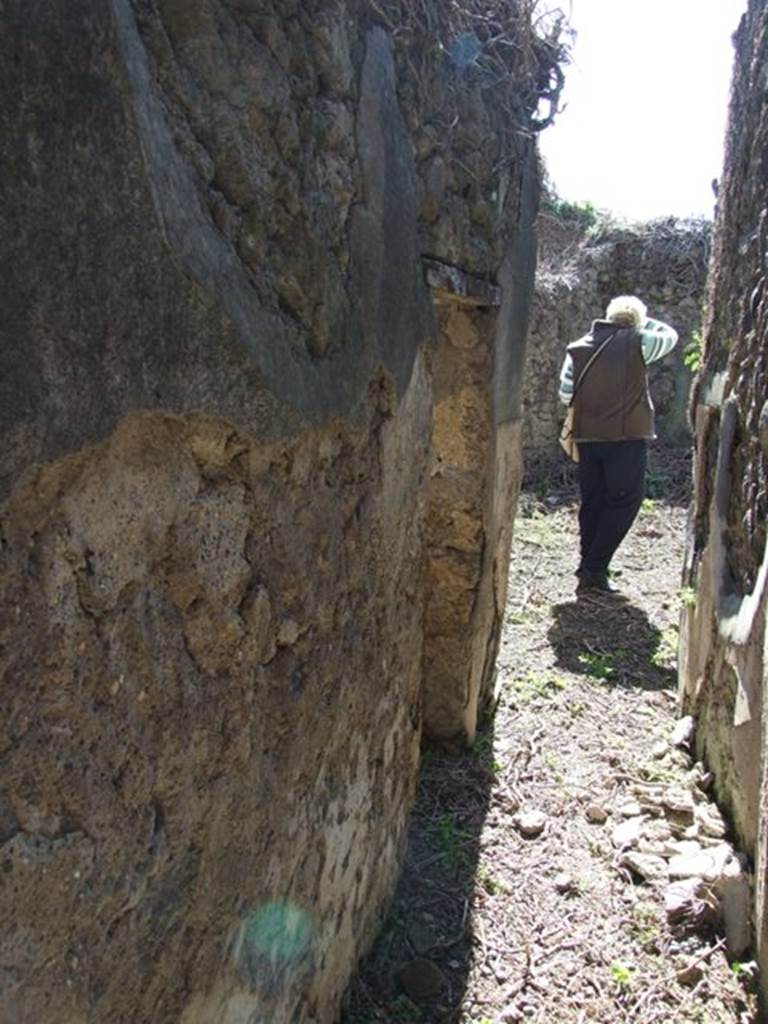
(612, 485)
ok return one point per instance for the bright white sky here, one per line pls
(647, 96)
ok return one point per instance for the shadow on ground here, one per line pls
(613, 640)
(419, 965)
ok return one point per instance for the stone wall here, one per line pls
(475, 474)
(664, 262)
(723, 627)
(216, 473)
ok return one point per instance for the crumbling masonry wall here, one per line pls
(723, 628)
(216, 472)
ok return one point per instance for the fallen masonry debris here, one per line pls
(708, 884)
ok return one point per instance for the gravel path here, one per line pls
(513, 904)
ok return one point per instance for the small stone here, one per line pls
(654, 810)
(705, 778)
(680, 898)
(676, 798)
(690, 975)
(657, 831)
(709, 841)
(653, 847)
(646, 865)
(421, 937)
(659, 749)
(691, 902)
(529, 823)
(564, 883)
(596, 814)
(420, 979)
(680, 848)
(735, 895)
(629, 809)
(708, 864)
(627, 833)
(682, 734)
(678, 805)
(710, 821)
(693, 776)
(689, 865)
(510, 1014)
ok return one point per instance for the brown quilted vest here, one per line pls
(612, 402)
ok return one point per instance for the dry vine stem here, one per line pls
(516, 48)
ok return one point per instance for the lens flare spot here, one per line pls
(278, 933)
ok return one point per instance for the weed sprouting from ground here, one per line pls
(621, 973)
(598, 665)
(665, 655)
(538, 684)
(451, 840)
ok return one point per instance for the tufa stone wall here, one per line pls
(220, 464)
(723, 627)
(475, 475)
(211, 726)
(663, 262)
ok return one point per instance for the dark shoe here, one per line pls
(595, 583)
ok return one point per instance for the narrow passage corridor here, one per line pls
(537, 880)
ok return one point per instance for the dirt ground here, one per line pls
(489, 925)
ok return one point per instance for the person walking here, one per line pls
(612, 422)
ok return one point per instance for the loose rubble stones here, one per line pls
(673, 837)
(647, 866)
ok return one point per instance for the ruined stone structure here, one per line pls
(579, 271)
(723, 629)
(250, 480)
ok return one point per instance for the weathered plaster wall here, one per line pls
(216, 416)
(723, 631)
(664, 262)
